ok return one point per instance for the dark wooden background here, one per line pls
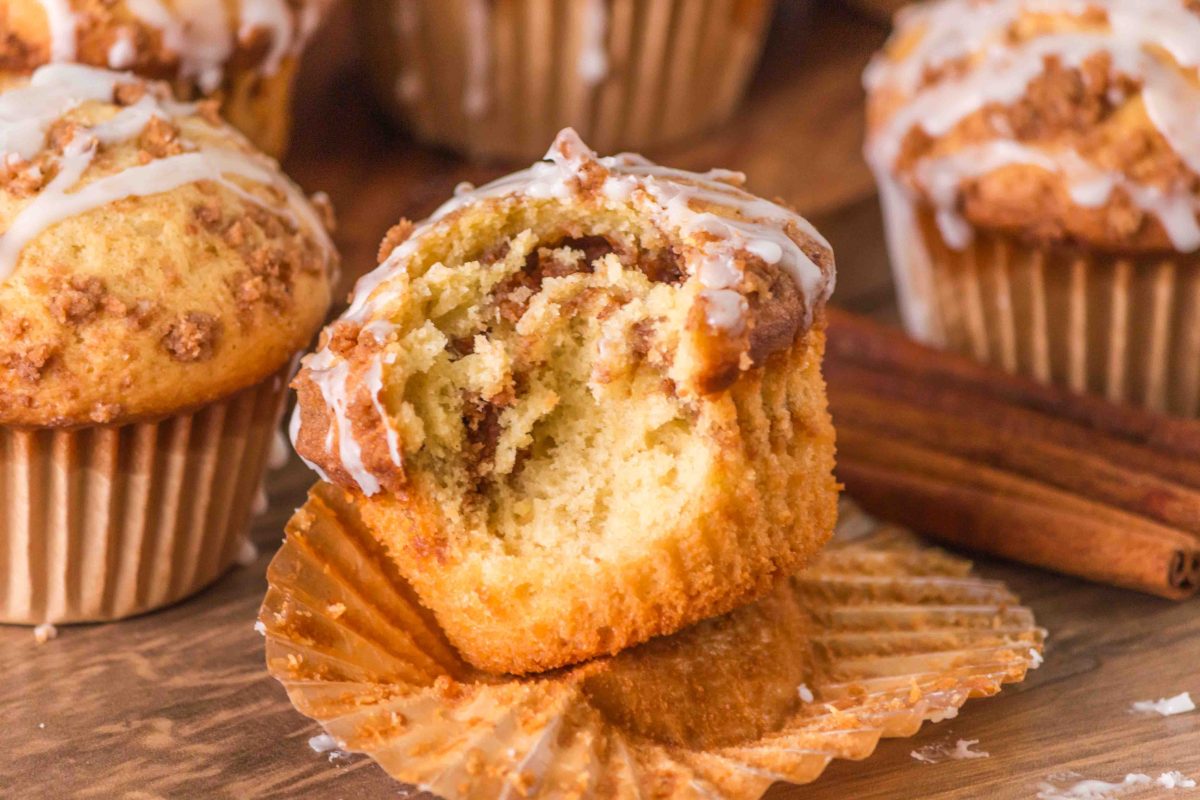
(177, 704)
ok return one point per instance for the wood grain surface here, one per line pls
(177, 704)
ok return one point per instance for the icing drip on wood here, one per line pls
(1135, 37)
(27, 113)
(671, 198)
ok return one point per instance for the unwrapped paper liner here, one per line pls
(878, 636)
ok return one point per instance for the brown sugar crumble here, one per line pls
(396, 236)
(126, 94)
(192, 337)
(28, 362)
(77, 300)
(105, 412)
(159, 139)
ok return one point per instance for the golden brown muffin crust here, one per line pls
(1029, 156)
(102, 25)
(749, 276)
(145, 306)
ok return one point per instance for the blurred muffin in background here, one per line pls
(244, 52)
(499, 78)
(1039, 167)
(157, 278)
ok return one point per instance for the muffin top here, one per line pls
(150, 259)
(1066, 121)
(190, 42)
(680, 279)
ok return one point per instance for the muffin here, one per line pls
(875, 637)
(1040, 180)
(499, 79)
(157, 277)
(243, 53)
(582, 405)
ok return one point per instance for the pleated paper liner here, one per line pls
(104, 522)
(499, 80)
(877, 637)
(1124, 328)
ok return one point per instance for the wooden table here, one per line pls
(177, 704)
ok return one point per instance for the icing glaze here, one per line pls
(476, 94)
(200, 34)
(675, 200)
(61, 21)
(1001, 73)
(593, 57)
(26, 114)
(122, 53)
(406, 22)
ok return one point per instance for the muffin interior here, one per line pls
(531, 385)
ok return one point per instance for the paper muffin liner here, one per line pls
(1126, 328)
(260, 106)
(500, 80)
(103, 522)
(877, 637)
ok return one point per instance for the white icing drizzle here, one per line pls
(26, 113)
(406, 22)
(333, 384)
(275, 17)
(476, 92)
(61, 21)
(122, 53)
(1002, 73)
(202, 38)
(593, 57)
(667, 196)
(201, 34)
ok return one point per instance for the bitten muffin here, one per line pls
(583, 406)
(500, 79)
(1039, 168)
(157, 277)
(243, 52)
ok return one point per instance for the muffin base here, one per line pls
(769, 504)
(99, 523)
(260, 106)
(1121, 326)
(879, 635)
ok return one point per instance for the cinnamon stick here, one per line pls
(866, 342)
(995, 463)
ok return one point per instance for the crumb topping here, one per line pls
(192, 336)
(1090, 103)
(181, 42)
(77, 338)
(77, 299)
(731, 278)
